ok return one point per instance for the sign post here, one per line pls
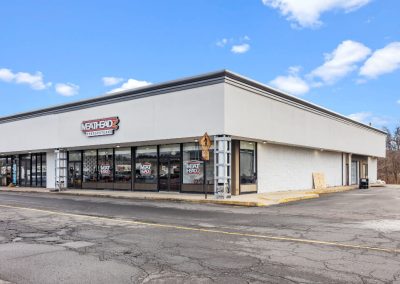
(205, 143)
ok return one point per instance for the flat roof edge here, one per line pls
(192, 80)
(116, 95)
(264, 87)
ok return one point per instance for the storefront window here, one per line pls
(39, 170)
(34, 170)
(74, 169)
(106, 164)
(44, 170)
(354, 172)
(74, 156)
(170, 167)
(146, 165)
(193, 166)
(3, 171)
(123, 166)
(248, 163)
(90, 166)
(15, 170)
(210, 167)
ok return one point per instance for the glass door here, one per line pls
(9, 171)
(15, 170)
(106, 169)
(3, 171)
(354, 172)
(74, 175)
(25, 173)
(170, 168)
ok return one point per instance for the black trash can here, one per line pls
(364, 183)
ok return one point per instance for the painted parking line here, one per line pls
(213, 231)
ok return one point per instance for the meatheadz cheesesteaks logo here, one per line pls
(100, 127)
(193, 167)
(145, 169)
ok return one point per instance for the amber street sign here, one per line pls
(205, 143)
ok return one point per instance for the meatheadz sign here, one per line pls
(100, 127)
(193, 168)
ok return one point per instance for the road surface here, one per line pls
(351, 237)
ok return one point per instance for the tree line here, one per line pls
(389, 167)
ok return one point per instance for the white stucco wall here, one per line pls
(290, 168)
(50, 164)
(372, 169)
(224, 108)
(217, 109)
(180, 114)
(251, 113)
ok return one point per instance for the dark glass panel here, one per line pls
(106, 164)
(146, 165)
(248, 163)
(90, 166)
(123, 165)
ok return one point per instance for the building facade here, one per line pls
(147, 139)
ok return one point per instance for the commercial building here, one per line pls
(147, 139)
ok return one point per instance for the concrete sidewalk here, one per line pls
(249, 200)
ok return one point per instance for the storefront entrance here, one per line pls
(354, 172)
(74, 175)
(5, 171)
(174, 167)
(170, 168)
(25, 175)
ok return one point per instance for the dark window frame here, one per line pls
(255, 170)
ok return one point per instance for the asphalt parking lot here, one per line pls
(350, 237)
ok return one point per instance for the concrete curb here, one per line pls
(150, 198)
(298, 198)
(333, 190)
(270, 201)
(171, 199)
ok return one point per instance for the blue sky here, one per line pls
(341, 54)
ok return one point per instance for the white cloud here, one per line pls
(307, 13)
(240, 48)
(222, 42)
(35, 81)
(6, 75)
(368, 118)
(67, 89)
(291, 83)
(236, 43)
(360, 116)
(110, 81)
(131, 84)
(340, 62)
(382, 61)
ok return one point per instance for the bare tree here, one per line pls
(389, 167)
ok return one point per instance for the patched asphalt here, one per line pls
(47, 238)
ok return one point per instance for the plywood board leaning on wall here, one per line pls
(319, 180)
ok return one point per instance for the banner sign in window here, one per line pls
(14, 177)
(193, 172)
(105, 170)
(100, 127)
(145, 169)
(193, 167)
